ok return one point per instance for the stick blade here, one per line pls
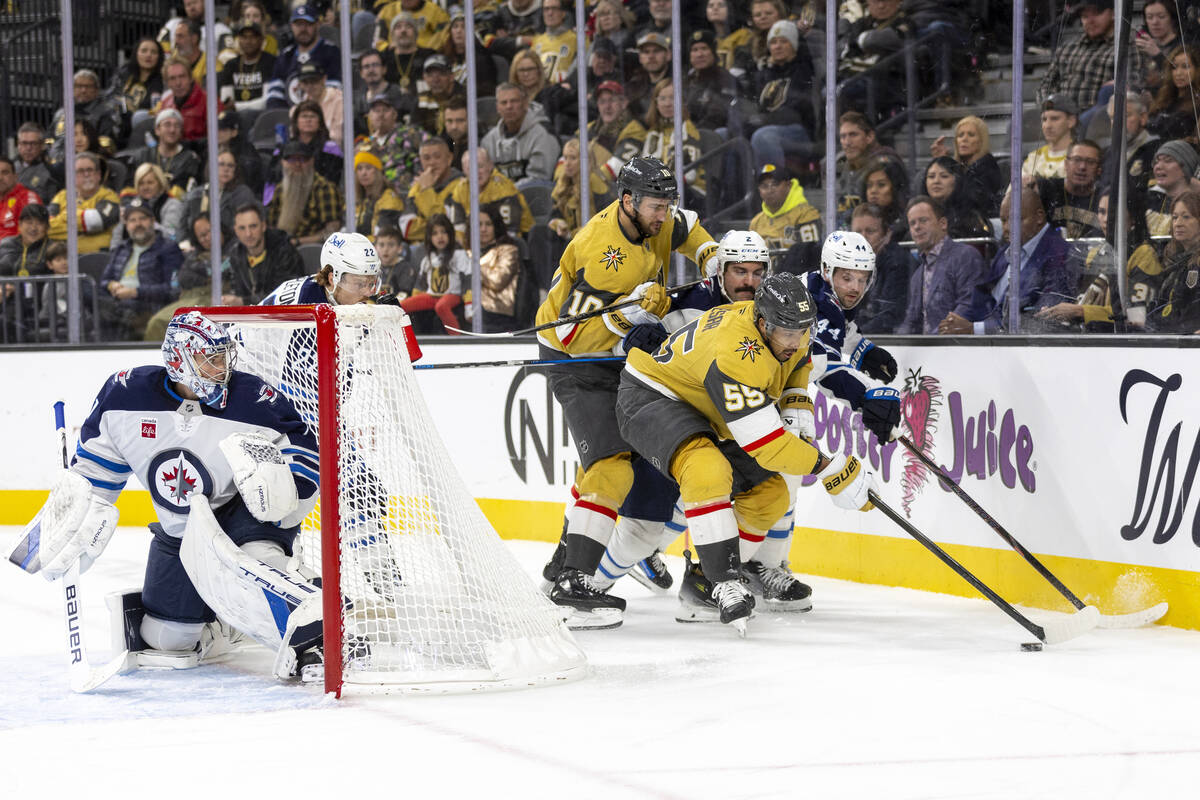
(1077, 624)
(1135, 619)
(89, 678)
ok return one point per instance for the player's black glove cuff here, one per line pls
(647, 336)
(389, 299)
(881, 412)
(879, 364)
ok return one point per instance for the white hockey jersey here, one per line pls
(139, 426)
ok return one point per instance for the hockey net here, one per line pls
(420, 592)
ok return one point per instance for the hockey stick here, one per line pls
(574, 319)
(1135, 619)
(528, 362)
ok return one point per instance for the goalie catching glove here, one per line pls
(848, 483)
(263, 477)
(74, 525)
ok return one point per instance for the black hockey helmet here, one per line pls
(646, 176)
(783, 301)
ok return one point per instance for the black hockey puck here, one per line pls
(1032, 647)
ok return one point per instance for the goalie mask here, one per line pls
(741, 247)
(846, 250)
(355, 266)
(200, 355)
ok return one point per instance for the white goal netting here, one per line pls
(431, 597)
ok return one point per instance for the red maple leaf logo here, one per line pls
(179, 483)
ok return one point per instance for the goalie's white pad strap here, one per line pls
(74, 525)
(252, 596)
(263, 477)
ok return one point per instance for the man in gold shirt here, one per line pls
(720, 377)
(621, 254)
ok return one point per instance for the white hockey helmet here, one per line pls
(738, 247)
(350, 254)
(847, 250)
(200, 355)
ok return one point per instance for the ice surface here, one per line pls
(877, 693)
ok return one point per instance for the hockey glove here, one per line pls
(646, 337)
(75, 525)
(652, 297)
(263, 477)
(881, 412)
(796, 411)
(879, 364)
(389, 299)
(848, 483)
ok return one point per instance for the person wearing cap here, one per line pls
(243, 80)
(305, 204)
(454, 48)
(139, 276)
(555, 46)
(25, 252)
(102, 111)
(519, 145)
(308, 47)
(314, 88)
(784, 120)
(98, 207)
(615, 128)
(403, 58)
(496, 192)
(441, 89)
(396, 145)
(710, 91)
(1059, 118)
(181, 164)
(654, 58)
(377, 206)
(787, 221)
(879, 33)
(13, 198)
(515, 24)
(431, 20)
(185, 96)
(1174, 167)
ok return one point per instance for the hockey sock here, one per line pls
(774, 549)
(633, 540)
(714, 530)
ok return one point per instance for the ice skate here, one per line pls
(778, 587)
(553, 567)
(652, 573)
(696, 603)
(735, 602)
(589, 608)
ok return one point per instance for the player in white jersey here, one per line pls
(231, 470)
(349, 274)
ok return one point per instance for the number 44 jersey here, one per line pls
(720, 365)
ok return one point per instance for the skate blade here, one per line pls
(600, 619)
(739, 625)
(641, 578)
(788, 606)
(545, 586)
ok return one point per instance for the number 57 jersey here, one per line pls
(720, 365)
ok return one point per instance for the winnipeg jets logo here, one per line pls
(613, 257)
(178, 483)
(122, 378)
(174, 477)
(749, 348)
(267, 394)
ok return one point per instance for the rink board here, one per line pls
(1085, 454)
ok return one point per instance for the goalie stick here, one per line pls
(1135, 619)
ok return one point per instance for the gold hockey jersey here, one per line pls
(601, 265)
(720, 365)
(557, 54)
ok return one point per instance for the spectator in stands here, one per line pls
(880, 33)
(614, 23)
(395, 145)
(1059, 117)
(233, 193)
(185, 96)
(1174, 110)
(98, 207)
(733, 37)
(372, 84)
(456, 126)
(555, 45)
(186, 46)
(140, 276)
(520, 146)
(103, 112)
(1159, 36)
(138, 84)
(32, 170)
(946, 274)
(404, 59)
(194, 280)
(982, 180)
(314, 89)
(950, 20)
(943, 181)
(377, 206)
(1141, 145)
(193, 11)
(243, 81)
(787, 220)
(660, 141)
(308, 126)
(308, 48)
(150, 185)
(1079, 69)
(398, 263)
(429, 20)
(1177, 309)
(1046, 278)
(256, 11)
(495, 192)
(526, 71)
(1174, 165)
(784, 119)
(430, 188)
(181, 165)
(86, 140)
(654, 57)
(501, 278)
(305, 205)
(13, 198)
(514, 26)
(883, 307)
(251, 169)
(615, 128)
(444, 276)
(455, 51)
(442, 89)
(763, 16)
(859, 147)
(710, 91)
(885, 185)
(25, 253)
(1071, 202)
(261, 259)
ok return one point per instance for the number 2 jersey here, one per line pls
(720, 365)
(140, 426)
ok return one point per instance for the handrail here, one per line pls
(747, 159)
(20, 295)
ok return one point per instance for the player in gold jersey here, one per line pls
(717, 378)
(620, 254)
